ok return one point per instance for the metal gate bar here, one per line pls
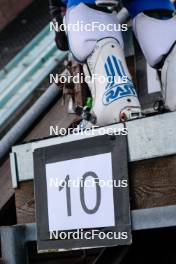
(14, 238)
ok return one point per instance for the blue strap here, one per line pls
(137, 6)
(77, 2)
(134, 6)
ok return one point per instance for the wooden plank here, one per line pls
(57, 115)
(153, 182)
(6, 190)
(25, 204)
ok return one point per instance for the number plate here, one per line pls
(82, 196)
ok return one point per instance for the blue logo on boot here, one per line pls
(114, 91)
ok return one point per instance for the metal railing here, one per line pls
(26, 71)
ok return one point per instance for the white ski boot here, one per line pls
(113, 93)
(158, 42)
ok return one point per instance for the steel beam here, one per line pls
(14, 238)
(151, 137)
(151, 218)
